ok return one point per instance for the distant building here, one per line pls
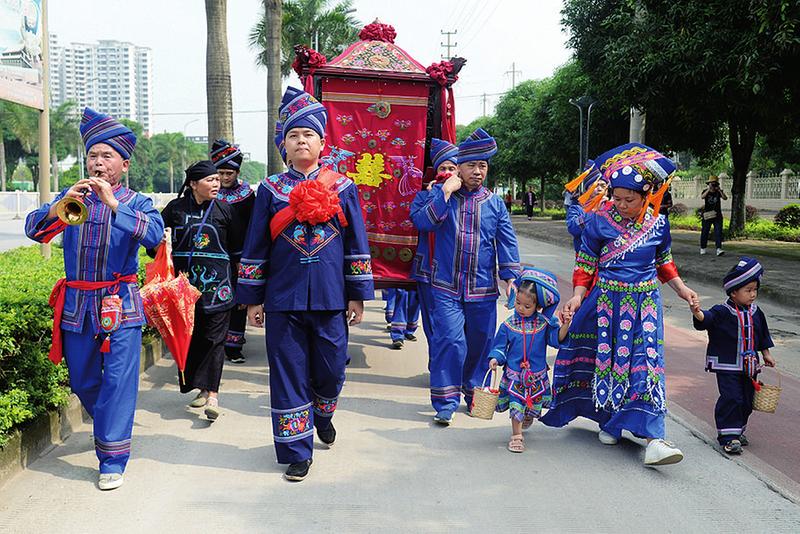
(199, 139)
(112, 77)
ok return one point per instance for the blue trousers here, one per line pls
(307, 354)
(425, 308)
(734, 406)
(406, 314)
(389, 295)
(107, 384)
(464, 335)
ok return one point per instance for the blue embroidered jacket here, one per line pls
(576, 220)
(725, 335)
(318, 267)
(473, 239)
(241, 199)
(421, 264)
(539, 333)
(625, 251)
(94, 251)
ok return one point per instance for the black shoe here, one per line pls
(411, 337)
(297, 472)
(327, 436)
(397, 344)
(744, 441)
(236, 358)
(733, 447)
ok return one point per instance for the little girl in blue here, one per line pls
(521, 346)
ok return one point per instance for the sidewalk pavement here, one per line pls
(781, 276)
(390, 470)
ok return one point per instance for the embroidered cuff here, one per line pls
(251, 272)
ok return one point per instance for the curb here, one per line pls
(768, 475)
(48, 430)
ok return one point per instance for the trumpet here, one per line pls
(72, 211)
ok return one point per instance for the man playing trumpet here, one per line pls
(98, 311)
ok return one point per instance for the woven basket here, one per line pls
(484, 399)
(766, 400)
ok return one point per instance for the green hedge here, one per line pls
(29, 383)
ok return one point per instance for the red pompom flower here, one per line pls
(313, 202)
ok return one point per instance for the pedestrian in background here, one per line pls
(712, 196)
(530, 201)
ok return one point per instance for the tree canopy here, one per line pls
(706, 72)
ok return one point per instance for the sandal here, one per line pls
(517, 443)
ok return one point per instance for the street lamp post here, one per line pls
(584, 105)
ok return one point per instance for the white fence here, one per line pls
(768, 192)
(19, 203)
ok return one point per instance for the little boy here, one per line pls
(737, 330)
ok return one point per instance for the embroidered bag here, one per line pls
(110, 318)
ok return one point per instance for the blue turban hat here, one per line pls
(224, 155)
(98, 128)
(442, 151)
(546, 284)
(299, 109)
(744, 272)
(635, 166)
(478, 146)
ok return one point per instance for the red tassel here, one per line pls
(106, 346)
(529, 402)
(756, 384)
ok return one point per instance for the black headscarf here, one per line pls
(197, 171)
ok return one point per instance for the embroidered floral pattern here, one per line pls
(628, 287)
(362, 266)
(294, 423)
(402, 124)
(344, 120)
(201, 241)
(586, 263)
(324, 407)
(250, 272)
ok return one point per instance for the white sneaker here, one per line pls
(702, 252)
(720, 252)
(660, 452)
(606, 438)
(109, 481)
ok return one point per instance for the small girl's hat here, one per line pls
(546, 283)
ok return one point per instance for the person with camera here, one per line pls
(713, 195)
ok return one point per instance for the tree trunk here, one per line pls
(218, 73)
(2, 163)
(274, 16)
(171, 169)
(742, 138)
(54, 165)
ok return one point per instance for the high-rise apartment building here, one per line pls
(111, 77)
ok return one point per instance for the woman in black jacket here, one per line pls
(201, 233)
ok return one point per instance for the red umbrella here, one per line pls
(169, 304)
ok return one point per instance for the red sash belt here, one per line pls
(58, 296)
(284, 217)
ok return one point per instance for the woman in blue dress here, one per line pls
(611, 366)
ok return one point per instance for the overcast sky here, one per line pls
(492, 34)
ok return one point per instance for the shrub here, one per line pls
(789, 215)
(679, 209)
(750, 213)
(698, 213)
(29, 383)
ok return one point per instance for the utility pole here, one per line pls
(448, 45)
(44, 125)
(483, 97)
(513, 72)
